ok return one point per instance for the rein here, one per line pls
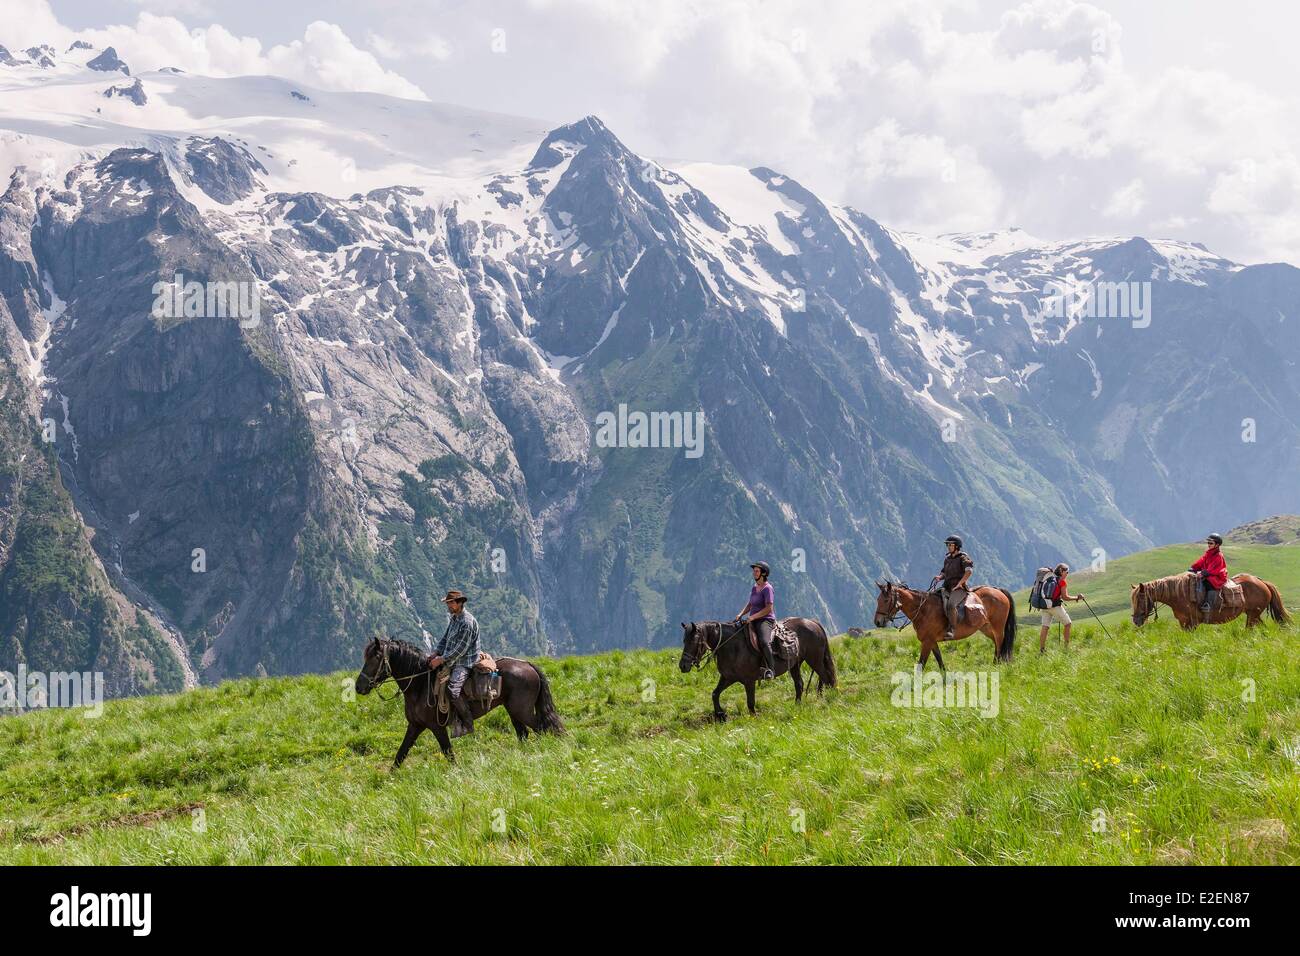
(712, 652)
(899, 612)
(386, 674)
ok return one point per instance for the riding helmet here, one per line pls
(953, 539)
(762, 566)
(1216, 538)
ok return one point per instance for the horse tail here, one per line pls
(828, 661)
(548, 718)
(1008, 629)
(1276, 609)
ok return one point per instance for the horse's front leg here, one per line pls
(718, 712)
(749, 697)
(413, 731)
(444, 742)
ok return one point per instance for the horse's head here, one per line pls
(373, 666)
(1143, 602)
(888, 604)
(694, 647)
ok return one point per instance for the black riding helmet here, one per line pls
(1216, 538)
(762, 566)
(953, 539)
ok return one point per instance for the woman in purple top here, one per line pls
(761, 613)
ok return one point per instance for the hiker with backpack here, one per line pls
(1048, 595)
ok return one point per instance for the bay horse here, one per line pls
(924, 609)
(525, 693)
(1182, 593)
(738, 663)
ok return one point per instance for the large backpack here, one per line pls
(1040, 595)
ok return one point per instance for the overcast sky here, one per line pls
(1164, 118)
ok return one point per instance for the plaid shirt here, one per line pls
(459, 644)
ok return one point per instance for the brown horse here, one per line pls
(924, 609)
(1182, 593)
(525, 693)
(738, 663)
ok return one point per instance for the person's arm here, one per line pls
(1199, 563)
(436, 658)
(966, 576)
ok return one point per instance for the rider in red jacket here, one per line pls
(1212, 569)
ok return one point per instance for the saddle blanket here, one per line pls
(1232, 594)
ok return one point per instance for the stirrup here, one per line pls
(767, 673)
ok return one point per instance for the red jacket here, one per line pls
(1215, 568)
(1061, 592)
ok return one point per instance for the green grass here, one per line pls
(1155, 729)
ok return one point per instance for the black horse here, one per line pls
(739, 663)
(525, 693)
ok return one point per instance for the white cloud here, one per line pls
(1127, 202)
(1046, 114)
(325, 57)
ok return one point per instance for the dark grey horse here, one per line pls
(525, 693)
(739, 663)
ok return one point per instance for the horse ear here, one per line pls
(683, 625)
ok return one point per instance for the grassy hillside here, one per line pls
(1279, 529)
(1154, 732)
(1108, 591)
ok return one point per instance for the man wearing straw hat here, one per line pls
(458, 649)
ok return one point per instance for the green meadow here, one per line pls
(1152, 746)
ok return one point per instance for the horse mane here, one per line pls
(1185, 587)
(404, 657)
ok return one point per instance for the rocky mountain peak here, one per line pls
(108, 62)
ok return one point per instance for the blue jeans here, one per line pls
(459, 674)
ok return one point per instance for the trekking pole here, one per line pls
(1094, 614)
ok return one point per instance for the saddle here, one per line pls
(1231, 596)
(483, 686)
(484, 683)
(972, 611)
(785, 643)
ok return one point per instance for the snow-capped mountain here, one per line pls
(440, 307)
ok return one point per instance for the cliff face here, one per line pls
(279, 421)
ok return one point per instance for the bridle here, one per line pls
(896, 608)
(1151, 611)
(385, 674)
(701, 631)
